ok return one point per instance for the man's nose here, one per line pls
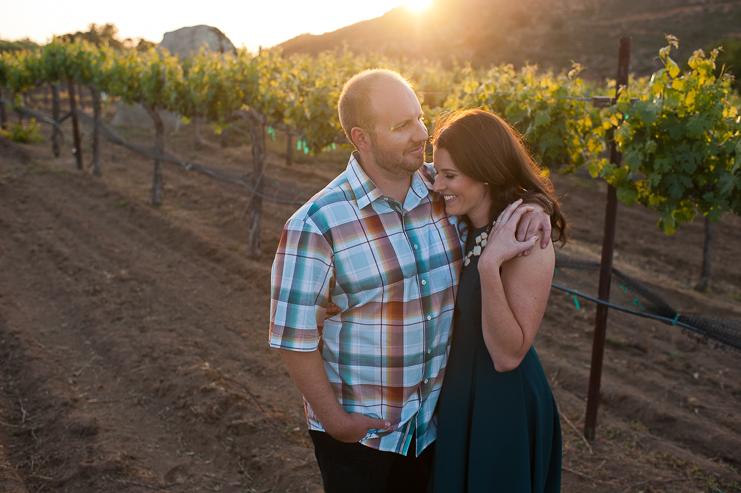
(422, 132)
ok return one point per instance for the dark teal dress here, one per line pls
(497, 432)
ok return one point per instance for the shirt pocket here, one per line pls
(363, 270)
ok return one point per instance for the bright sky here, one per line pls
(248, 22)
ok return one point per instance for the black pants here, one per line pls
(353, 467)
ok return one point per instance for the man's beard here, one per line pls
(395, 164)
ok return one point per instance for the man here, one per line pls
(375, 242)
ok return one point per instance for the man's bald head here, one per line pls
(355, 105)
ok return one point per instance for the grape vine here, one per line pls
(679, 132)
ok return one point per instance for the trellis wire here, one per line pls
(721, 330)
(108, 134)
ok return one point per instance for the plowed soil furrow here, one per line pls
(110, 303)
(134, 356)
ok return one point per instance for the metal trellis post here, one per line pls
(608, 247)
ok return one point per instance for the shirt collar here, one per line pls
(426, 175)
(420, 188)
(362, 186)
(366, 191)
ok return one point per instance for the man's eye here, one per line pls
(449, 177)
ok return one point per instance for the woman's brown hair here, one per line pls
(484, 147)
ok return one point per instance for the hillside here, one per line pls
(550, 33)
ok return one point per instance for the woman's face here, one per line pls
(463, 195)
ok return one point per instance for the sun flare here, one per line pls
(418, 6)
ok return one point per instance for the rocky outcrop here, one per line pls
(188, 40)
(183, 42)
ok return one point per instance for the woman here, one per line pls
(498, 426)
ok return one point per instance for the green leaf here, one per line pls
(542, 118)
(628, 194)
(672, 67)
(633, 160)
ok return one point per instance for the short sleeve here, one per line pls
(301, 276)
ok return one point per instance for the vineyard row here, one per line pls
(679, 131)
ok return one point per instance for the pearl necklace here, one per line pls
(479, 247)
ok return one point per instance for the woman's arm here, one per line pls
(514, 301)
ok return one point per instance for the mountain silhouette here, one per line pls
(550, 33)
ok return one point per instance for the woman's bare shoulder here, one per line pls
(522, 275)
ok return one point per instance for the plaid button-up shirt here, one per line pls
(393, 272)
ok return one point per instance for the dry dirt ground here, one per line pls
(133, 339)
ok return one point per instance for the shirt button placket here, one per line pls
(423, 282)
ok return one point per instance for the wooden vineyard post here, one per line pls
(55, 110)
(257, 132)
(18, 112)
(257, 135)
(3, 116)
(77, 150)
(605, 274)
(159, 145)
(96, 130)
(81, 100)
(257, 125)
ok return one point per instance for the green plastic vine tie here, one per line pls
(334, 146)
(306, 148)
(298, 145)
(674, 322)
(636, 302)
(576, 303)
(624, 288)
(555, 271)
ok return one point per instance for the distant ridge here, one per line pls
(550, 33)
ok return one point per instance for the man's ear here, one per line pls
(361, 139)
